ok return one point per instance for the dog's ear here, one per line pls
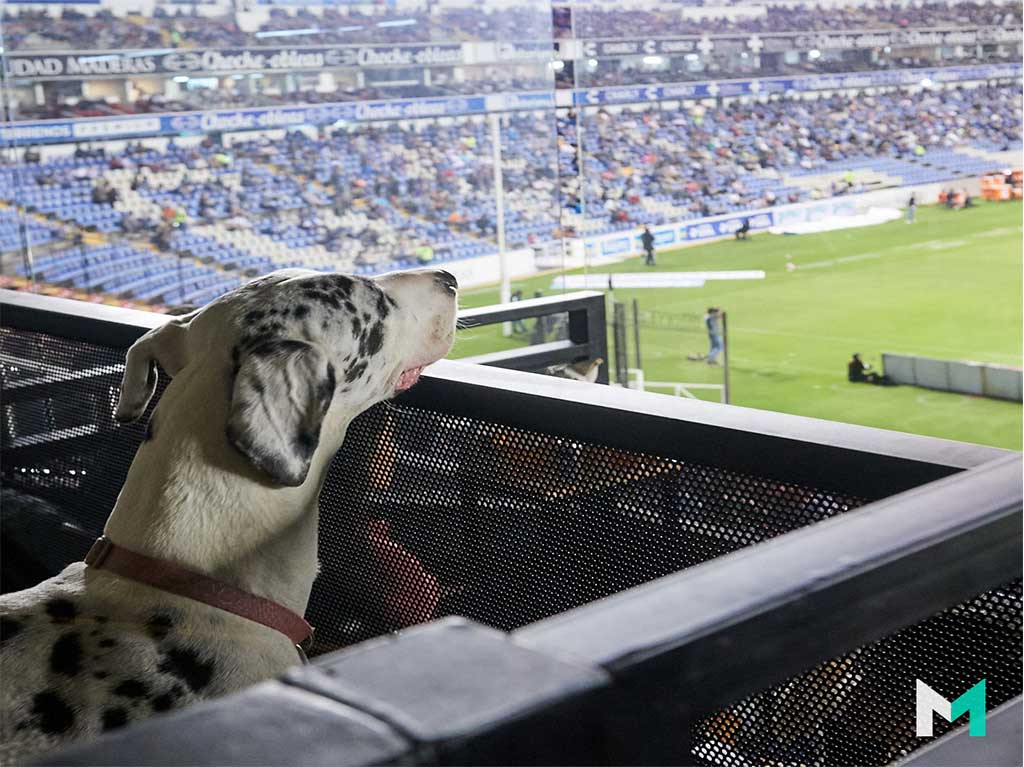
(164, 345)
(281, 393)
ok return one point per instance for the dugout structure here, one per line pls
(638, 579)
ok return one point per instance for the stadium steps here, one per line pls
(1008, 159)
(869, 178)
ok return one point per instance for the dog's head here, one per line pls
(298, 354)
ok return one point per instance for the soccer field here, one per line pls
(948, 287)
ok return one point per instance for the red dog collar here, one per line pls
(106, 555)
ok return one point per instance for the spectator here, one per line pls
(743, 233)
(858, 371)
(911, 208)
(424, 254)
(713, 323)
(518, 326)
(647, 241)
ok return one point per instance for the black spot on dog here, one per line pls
(107, 643)
(61, 610)
(393, 302)
(370, 344)
(342, 284)
(382, 306)
(54, 715)
(355, 371)
(66, 655)
(305, 443)
(257, 385)
(114, 718)
(131, 688)
(163, 702)
(327, 387)
(301, 311)
(9, 628)
(271, 328)
(254, 316)
(100, 674)
(357, 327)
(187, 666)
(322, 297)
(159, 625)
(350, 307)
(278, 346)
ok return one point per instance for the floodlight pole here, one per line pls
(499, 205)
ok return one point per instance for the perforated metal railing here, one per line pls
(427, 513)
(856, 709)
(508, 526)
(423, 514)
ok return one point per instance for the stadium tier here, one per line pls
(182, 27)
(369, 198)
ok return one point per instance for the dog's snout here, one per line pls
(446, 279)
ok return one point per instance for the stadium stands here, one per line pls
(368, 197)
(73, 30)
(608, 22)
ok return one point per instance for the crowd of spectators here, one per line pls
(371, 194)
(184, 27)
(716, 67)
(710, 161)
(609, 23)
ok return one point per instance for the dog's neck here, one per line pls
(191, 499)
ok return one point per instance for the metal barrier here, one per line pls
(586, 340)
(643, 579)
(981, 379)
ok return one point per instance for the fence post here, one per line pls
(621, 358)
(725, 357)
(636, 332)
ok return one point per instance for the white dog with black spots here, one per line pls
(265, 381)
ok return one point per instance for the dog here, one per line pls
(223, 491)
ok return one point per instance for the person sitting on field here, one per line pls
(858, 371)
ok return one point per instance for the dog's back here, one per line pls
(79, 658)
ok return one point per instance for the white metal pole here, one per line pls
(499, 205)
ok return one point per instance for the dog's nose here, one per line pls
(447, 279)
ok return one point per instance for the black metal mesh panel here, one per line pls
(859, 709)
(422, 514)
(64, 457)
(507, 527)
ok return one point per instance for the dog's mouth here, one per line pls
(409, 378)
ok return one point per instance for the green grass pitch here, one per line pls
(948, 286)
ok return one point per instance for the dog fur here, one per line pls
(265, 381)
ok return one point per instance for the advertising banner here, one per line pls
(222, 61)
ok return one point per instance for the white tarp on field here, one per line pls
(629, 280)
(870, 217)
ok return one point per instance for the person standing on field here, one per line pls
(647, 241)
(911, 208)
(713, 323)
